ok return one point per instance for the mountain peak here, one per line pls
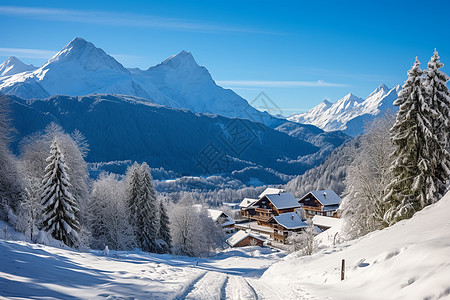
(182, 58)
(85, 54)
(381, 88)
(13, 65)
(326, 102)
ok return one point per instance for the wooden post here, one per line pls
(343, 270)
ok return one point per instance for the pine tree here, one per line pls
(133, 192)
(147, 216)
(164, 229)
(59, 204)
(408, 191)
(438, 97)
(141, 197)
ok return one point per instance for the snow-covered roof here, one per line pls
(247, 202)
(216, 214)
(270, 191)
(327, 197)
(290, 221)
(283, 200)
(241, 235)
(323, 221)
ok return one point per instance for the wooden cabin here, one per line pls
(284, 224)
(246, 207)
(270, 205)
(222, 219)
(243, 238)
(322, 203)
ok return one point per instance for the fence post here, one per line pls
(343, 270)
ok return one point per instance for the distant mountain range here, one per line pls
(351, 113)
(120, 128)
(80, 69)
(167, 115)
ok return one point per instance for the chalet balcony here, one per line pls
(264, 210)
(260, 218)
(312, 208)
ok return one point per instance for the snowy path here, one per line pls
(29, 271)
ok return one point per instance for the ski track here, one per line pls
(237, 288)
(208, 287)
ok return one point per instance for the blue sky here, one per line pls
(297, 52)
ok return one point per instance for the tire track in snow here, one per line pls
(189, 287)
(237, 288)
(208, 287)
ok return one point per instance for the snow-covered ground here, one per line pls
(410, 260)
(36, 271)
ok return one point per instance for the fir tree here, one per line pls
(133, 192)
(164, 229)
(143, 207)
(147, 212)
(438, 97)
(59, 204)
(410, 134)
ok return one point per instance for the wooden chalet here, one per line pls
(273, 214)
(270, 205)
(322, 203)
(246, 207)
(243, 238)
(222, 219)
(284, 224)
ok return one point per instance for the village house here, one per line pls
(323, 203)
(243, 238)
(273, 215)
(222, 219)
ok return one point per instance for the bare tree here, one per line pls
(367, 177)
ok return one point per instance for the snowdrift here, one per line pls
(410, 260)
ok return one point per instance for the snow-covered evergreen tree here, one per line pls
(164, 229)
(438, 98)
(59, 204)
(141, 198)
(413, 185)
(34, 151)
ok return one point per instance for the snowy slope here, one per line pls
(350, 113)
(30, 271)
(409, 260)
(12, 65)
(80, 68)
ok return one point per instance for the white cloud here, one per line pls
(280, 84)
(27, 53)
(119, 19)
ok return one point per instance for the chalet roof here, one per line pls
(326, 197)
(290, 221)
(323, 221)
(247, 202)
(216, 214)
(271, 191)
(241, 235)
(283, 200)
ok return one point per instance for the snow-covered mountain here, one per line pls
(120, 128)
(12, 65)
(350, 113)
(80, 68)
